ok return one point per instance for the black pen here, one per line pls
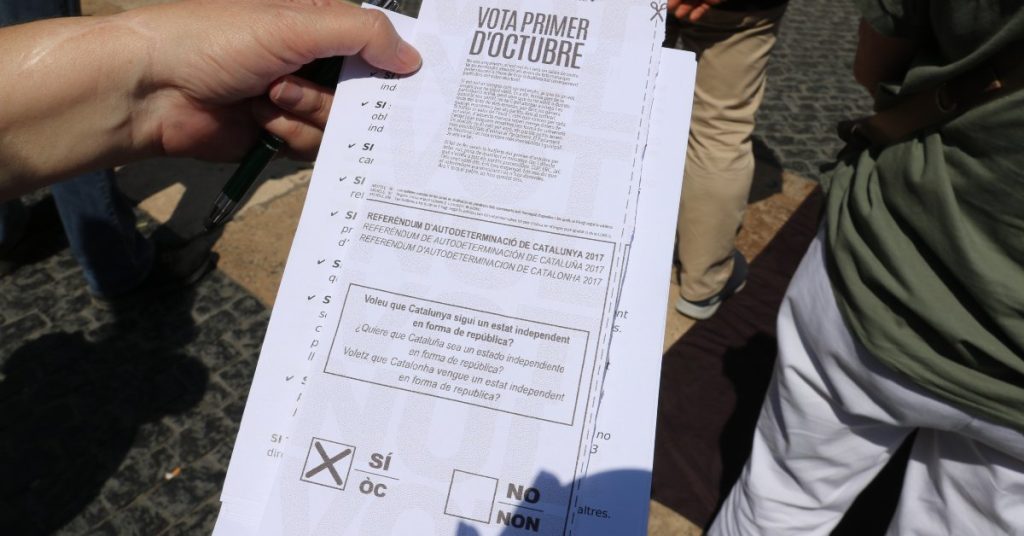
(323, 72)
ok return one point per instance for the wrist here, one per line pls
(131, 78)
(68, 89)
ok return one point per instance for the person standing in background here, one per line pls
(907, 312)
(733, 40)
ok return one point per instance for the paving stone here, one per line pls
(220, 326)
(65, 266)
(141, 518)
(217, 294)
(196, 483)
(222, 454)
(200, 521)
(238, 376)
(248, 337)
(31, 280)
(206, 432)
(152, 435)
(215, 396)
(138, 473)
(233, 338)
(213, 352)
(93, 514)
(17, 330)
(249, 307)
(236, 408)
(73, 313)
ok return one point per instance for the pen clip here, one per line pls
(390, 5)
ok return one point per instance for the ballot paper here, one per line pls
(361, 407)
(615, 493)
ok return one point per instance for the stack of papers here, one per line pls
(457, 346)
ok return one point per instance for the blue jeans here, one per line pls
(18, 11)
(99, 222)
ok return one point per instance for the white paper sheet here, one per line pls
(615, 494)
(255, 470)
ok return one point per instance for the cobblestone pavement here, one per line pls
(811, 86)
(123, 423)
(95, 407)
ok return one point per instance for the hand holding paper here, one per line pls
(177, 79)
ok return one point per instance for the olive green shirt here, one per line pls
(926, 237)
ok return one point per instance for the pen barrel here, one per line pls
(325, 72)
(252, 165)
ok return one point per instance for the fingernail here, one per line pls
(286, 94)
(409, 55)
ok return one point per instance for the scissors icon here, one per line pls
(657, 10)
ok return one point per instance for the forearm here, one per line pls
(68, 89)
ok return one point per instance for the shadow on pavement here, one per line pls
(767, 172)
(72, 403)
(712, 385)
(201, 182)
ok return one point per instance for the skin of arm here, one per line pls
(691, 9)
(880, 58)
(193, 78)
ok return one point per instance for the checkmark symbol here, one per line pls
(365, 103)
(321, 261)
(288, 378)
(310, 298)
(351, 145)
(343, 178)
(335, 213)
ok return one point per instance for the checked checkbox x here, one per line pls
(328, 463)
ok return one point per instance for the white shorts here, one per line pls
(834, 415)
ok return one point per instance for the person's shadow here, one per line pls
(72, 403)
(199, 182)
(603, 503)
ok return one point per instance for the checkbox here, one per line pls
(328, 463)
(471, 496)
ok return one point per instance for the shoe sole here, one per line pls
(698, 311)
(703, 312)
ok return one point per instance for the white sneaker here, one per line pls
(703, 309)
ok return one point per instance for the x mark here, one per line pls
(328, 462)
